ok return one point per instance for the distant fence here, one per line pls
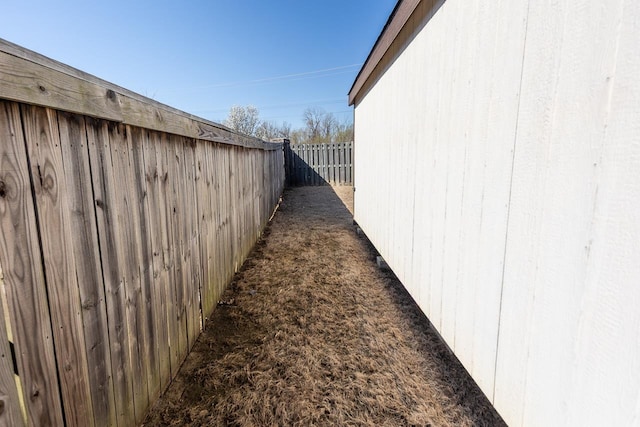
(117, 236)
(319, 164)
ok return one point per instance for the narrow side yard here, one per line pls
(310, 332)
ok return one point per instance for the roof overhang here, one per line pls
(391, 33)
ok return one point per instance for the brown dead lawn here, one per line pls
(313, 333)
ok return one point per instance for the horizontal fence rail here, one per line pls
(319, 164)
(116, 242)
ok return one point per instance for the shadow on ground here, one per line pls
(310, 332)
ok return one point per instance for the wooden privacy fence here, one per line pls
(319, 164)
(121, 222)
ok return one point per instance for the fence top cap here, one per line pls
(31, 78)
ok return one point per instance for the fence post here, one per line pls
(288, 160)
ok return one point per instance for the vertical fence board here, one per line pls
(249, 231)
(315, 163)
(325, 163)
(203, 219)
(309, 164)
(216, 262)
(154, 202)
(185, 237)
(84, 238)
(194, 321)
(24, 288)
(339, 169)
(11, 415)
(220, 211)
(148, 310)
(302, 165)
(170, 247)
(47, 170)
(240, 216)
(176, 170)
(105, 187)
(223, 222)
(231, 210)
(138, 266)
(207, 294)
(343, 162)
(309, 161)
(213, 235)
(243, 202)
(349, 152)
(235, 198)
(298, 162)
(127, 249)
(332, 162)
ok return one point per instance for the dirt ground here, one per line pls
(311, 332)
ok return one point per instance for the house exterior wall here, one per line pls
(497, 171)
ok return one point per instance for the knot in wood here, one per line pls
(3, 190)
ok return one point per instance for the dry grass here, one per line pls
(317, 335)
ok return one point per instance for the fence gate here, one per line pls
(319, 164)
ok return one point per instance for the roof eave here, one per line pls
(398, 18)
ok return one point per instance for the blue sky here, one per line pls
(205, 56)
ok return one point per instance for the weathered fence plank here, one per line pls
(109, 225)
(154, 203)
(170, 248)
(194, 321)
(177, 218)
(135, 145)
(9, 394)
(75, 154)
(42, 137)
(126, 246)
(24, 283)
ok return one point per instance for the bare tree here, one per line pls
(298, 136)
(327, 127)
(319, 126)
(285, 130)
(312, 117)
(267, 130)
(270, 130)
(343, 131)
(243, 119)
